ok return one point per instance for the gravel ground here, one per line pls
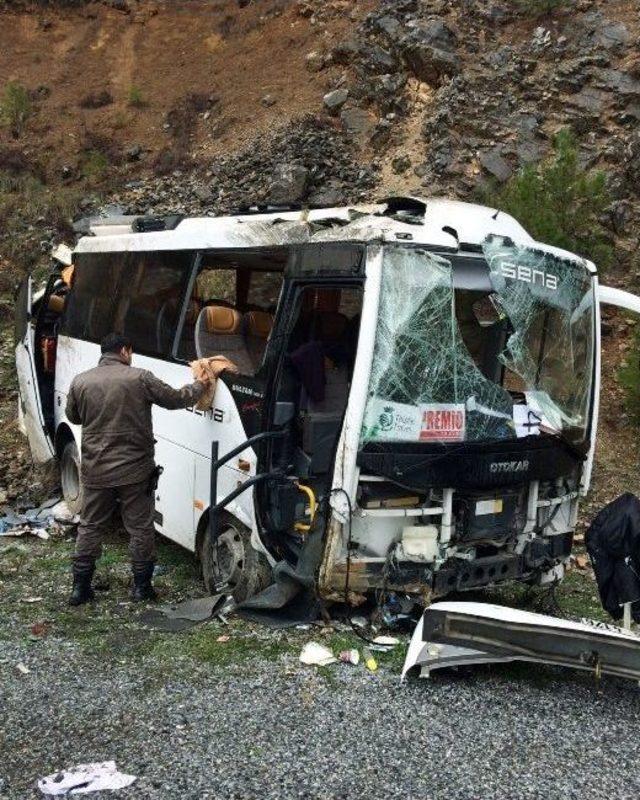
(274, 729)
(194, 717)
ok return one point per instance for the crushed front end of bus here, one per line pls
(476, 428)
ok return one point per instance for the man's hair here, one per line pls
(114, 342)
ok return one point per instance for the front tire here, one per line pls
(234, 563)
(70, 477)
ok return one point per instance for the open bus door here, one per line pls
(30, 406)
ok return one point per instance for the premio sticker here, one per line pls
(442, 422)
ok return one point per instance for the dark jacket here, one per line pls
(113, 403)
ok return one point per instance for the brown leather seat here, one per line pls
(219, 332)
(56, 303)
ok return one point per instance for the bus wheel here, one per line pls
(70, 477)
(233, 563)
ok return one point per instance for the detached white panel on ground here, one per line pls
(455, 634)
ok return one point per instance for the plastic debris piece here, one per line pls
(223, 638)
(61, 513)
(350, 656)
(386, 641)
(31, 599)
(317, 655)
(196, 610)
(21, 530)
(369, 661)
(22, 668)
(94, 777)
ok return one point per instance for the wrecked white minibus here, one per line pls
(416, 401)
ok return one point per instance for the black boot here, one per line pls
(82, 574)
(142, 588)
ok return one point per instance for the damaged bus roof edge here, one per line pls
(444, 224)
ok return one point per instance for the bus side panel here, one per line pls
(175, 492)
(72, 357)
(183, 449)
(183, 443)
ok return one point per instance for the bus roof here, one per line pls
(435, 222)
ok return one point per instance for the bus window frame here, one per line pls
(196, 268)
(191, 272)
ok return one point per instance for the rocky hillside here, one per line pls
(202, 106)
(205, 106)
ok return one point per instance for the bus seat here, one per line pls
(56, 303)
(219, 332)
(257, 326)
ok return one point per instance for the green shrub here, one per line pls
(135, 98)
(25, 198)
(94, 166)
(559, 203)
(15, 107)
(629, 378)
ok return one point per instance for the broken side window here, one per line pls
(550, 304)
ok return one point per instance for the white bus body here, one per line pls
(419, 487)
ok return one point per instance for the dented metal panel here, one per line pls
(455, 633)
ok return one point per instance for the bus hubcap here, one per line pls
(228, 557)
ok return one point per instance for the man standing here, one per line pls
(113, 404)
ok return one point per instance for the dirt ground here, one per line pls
(175, 75)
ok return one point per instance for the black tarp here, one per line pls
(613, 544)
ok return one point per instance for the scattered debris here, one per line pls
(196, 610)
(397, 612)
(32, 599)
(385, 643)
(224, 638)
(458, 633)
(22, 668)
(316, 654)
(95, 777)
(582, 561)
(369, 661)
(47, 520)
(350, 656)
(38, 629)
(180, 616)
(41, 533)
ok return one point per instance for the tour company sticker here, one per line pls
(442, 422)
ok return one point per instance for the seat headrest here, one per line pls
(259, 324)
(67, 274)
(222, 320)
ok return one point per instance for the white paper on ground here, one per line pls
(95, 777)
(317, 655)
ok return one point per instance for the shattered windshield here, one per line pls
(495, 346)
